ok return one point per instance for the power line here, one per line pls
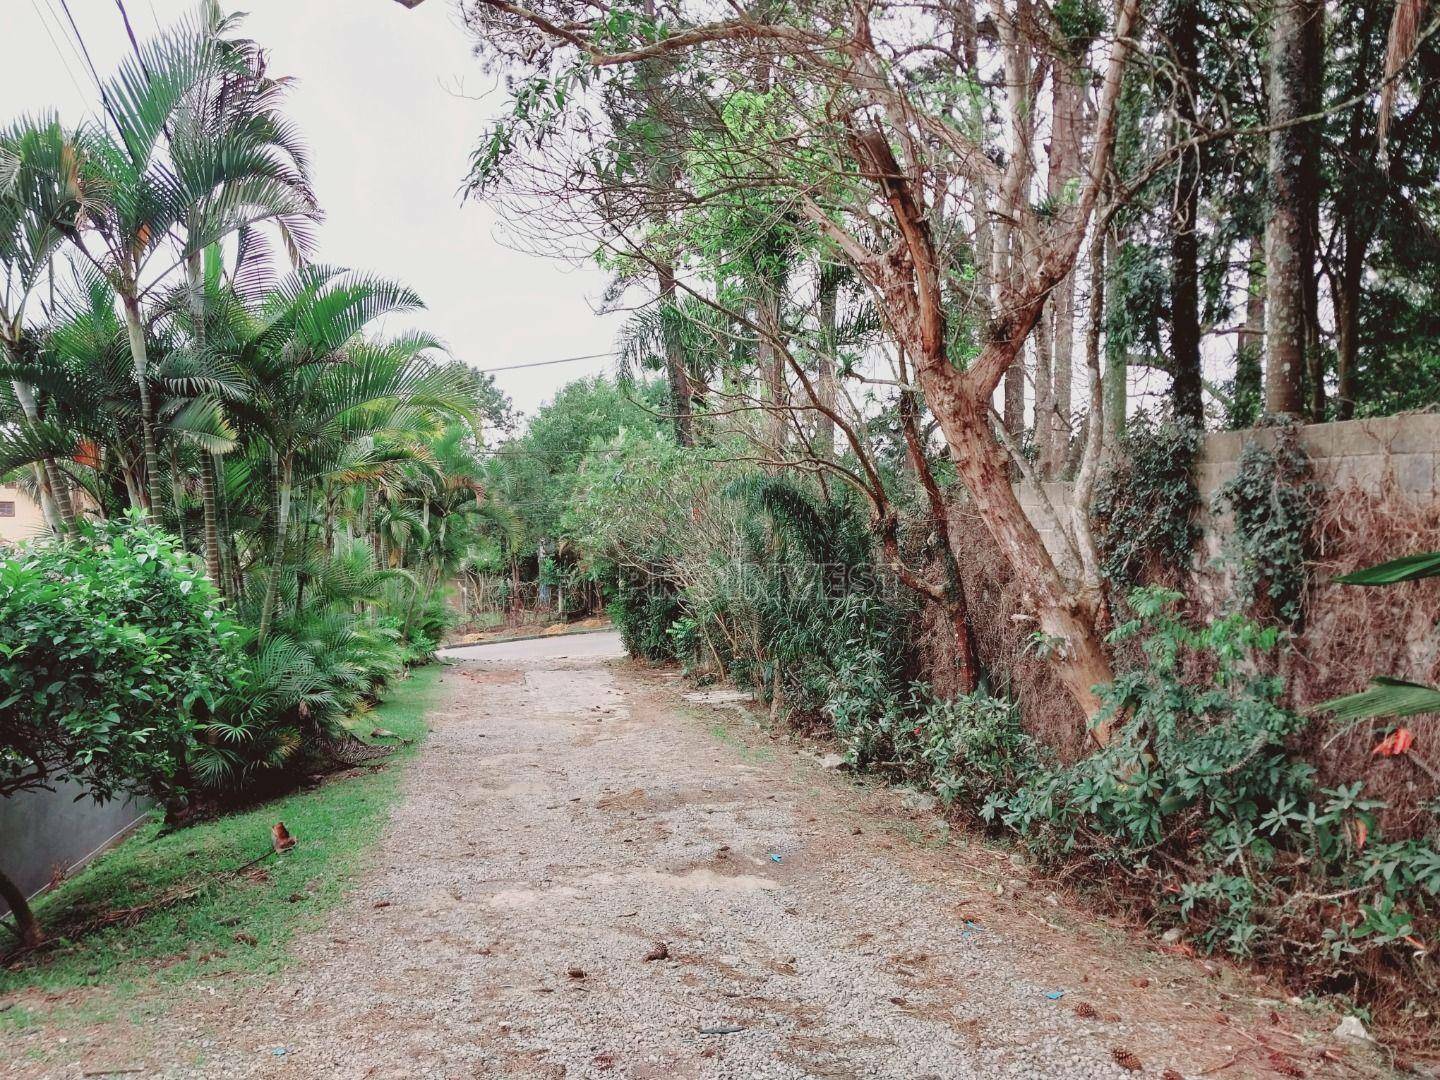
(546, 363)
(53, 14)
(84, 50)
(45, 25)
(500, 452)
(94, 74)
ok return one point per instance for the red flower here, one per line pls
(1396, 743)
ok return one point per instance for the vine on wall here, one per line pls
(1145, 505)
(1272, 499)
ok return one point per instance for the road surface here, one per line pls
(595, 871)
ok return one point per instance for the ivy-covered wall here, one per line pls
(1403, 451)
(1282, 514)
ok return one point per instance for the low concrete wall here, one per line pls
(1366, 452)
(42, 832)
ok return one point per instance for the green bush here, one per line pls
(1202, 803)
(970, 747)
(326, 658)
(113, 649)
(965, 749)
(643, 611)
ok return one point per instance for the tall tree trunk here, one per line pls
(1076, 655)
(1117, 368)
(1314, 352)
(1019, 120)
(1296, 37)
(1184, 217)
(1093, 430)
(277, 554)
(25, 921)
(1044, 400)
(141, 360)
(54, 485)
(1358, 210)
(1250, 342)
(955, 603)
(1346, 298)
(211, 524)
(1069, 94)
(48, 510)
(209, 499)
(675, 369)
(1015, 397)
(827, 379)
(773, 367)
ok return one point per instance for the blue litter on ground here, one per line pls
(1055, 995)
(774, 858)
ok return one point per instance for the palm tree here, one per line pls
(211, 184)
(78, 368)
(40, 187)
(313, 385)
(239, 104)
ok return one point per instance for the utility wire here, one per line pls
(53, 15)
(45, 25)
(546, 363)
(94, 74)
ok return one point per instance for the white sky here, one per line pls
(379, 99)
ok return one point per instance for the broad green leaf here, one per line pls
(1410, 568)
(1385, 697)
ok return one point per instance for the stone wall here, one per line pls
(1405, 449)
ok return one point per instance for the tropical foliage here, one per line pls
(256, 502)
(1388, 696)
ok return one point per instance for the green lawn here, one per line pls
(210, 935)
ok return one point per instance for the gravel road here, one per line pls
(594, 872)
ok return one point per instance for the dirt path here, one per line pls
(571, 811)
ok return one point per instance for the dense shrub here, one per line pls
(119, 665)
(1201, 803)
(966, 749)
(644, 610)
(113, 649)
(326, 658)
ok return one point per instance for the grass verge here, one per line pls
(235, 925)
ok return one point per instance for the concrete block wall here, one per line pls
(1367, 452)
(1403, 449)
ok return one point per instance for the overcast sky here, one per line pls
(385, 97)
